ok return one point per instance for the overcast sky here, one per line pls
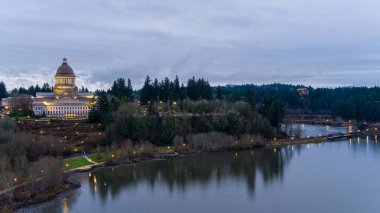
(318, 43)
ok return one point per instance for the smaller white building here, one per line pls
(6, 103)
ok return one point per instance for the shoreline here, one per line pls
(45, 196)
(263, 145)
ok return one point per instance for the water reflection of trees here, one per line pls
(181, 173)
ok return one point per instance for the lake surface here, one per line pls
(308, 130)
(328, 177)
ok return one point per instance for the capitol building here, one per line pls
(65, 102)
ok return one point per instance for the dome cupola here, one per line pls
(64, 70)
(65, 80)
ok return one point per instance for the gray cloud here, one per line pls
(319, 43)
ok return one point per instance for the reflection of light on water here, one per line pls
(358, 140)
(65, 205)
(327, 127)
(350, 141)
(376, 139)
(367, 139)
(94, 183)
(303, 126)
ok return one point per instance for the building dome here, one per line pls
(64, 70)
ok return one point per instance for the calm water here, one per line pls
(307, 130)
(329, 177)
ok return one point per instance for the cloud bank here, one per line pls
(318, 43)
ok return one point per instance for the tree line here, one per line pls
(167, 90)
(168, 109)
(31, 90)
(349, 103)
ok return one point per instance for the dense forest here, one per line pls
(349, 103)
(168, 110)
(358, 103)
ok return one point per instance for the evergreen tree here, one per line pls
(204, 89)
(3, 90)
(146, 91)
(156, 90)
(199, 89)
(176, 89)
(272, 110)
(129, 90)
(234, 97)
(100, 112)
(219, 94)
(36, 89)
(250, 97)
(192, 89)
(165, 90)
(182, 94)
(46, 88)
(30, 91)
(119, 88)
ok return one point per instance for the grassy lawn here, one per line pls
(101, 157)
(164, 149)
(76, 162)
(20, 118)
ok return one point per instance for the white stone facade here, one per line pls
(65, 102)
(62, 107)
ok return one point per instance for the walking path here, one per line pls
(89, 159)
